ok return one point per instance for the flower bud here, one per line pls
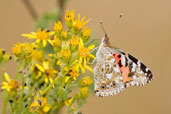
(86, 34)
(84, 92)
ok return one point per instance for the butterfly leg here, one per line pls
(91, 51)
(92, 62)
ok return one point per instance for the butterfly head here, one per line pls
(105, 41)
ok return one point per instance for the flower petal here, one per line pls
(46, 80)
(66, 79)
(82, 19)
(40, 67)
(44, 43)
(52, 33)
(46, 65)
(7, 77)
(81, 44)
(51, 80)
(91, 47)
(86, 66)
(92, 56)
(51, 42)
(80, 65)
(74, 62)
(30, 36)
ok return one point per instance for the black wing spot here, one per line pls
(113, 83)
(123, 53)
(119, 56)
(133, 58)
(130, 74)
(143, 67)
(150, 77)
(126, 62)
(125, 85)
(103, 86)
(96, 91)
(120, 64)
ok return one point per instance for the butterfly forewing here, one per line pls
(138, 72)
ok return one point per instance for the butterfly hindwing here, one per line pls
(108, 78)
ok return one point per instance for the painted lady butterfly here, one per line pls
(116, 70)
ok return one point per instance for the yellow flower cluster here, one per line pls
(50, 67)
(25, 50)
(40, 106)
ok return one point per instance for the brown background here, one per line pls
(144, 31)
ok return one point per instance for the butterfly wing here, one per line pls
(116, 70)
(108, 79)
(138, 74)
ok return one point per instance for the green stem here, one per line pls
(12, 109)
(4, 92)
(26, 109)
(21, 95)
(30, 92)
(50, 86)
(17, 71)
(3, 71)
(5, 103)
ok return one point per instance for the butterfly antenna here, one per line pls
(116, 23)
(101, 23)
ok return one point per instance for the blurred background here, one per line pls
(144, 31)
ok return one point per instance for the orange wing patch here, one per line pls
(124, 70)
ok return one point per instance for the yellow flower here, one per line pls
(58, 26)
(37, 55)
(69, 16)
(68, 102)
(72, 73)
(7, 57)
(27, 49)
(48, 73)
(85, 55)
(10, 85)
(36, 72)
(55, 42)
(86, 34)
(33, 106)
(86, 81)
(64, 35)
(66, 54)
(16, 50)
(42, 36)
(58, 63)
(84, 92)
(45, 109)
(75, 40)
(78, 24)
(65, 44)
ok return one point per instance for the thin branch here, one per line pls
(31, 9)
(61, 4)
